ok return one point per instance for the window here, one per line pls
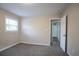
(11, 25)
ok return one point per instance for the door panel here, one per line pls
(63, 33)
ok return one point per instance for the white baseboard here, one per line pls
(22, 42)
(8, 47)
(36, 44)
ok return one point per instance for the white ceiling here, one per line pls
(34, 9)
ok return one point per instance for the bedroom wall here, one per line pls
(36, 30)
(9, 38)
(73, 29)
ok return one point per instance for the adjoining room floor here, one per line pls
(32, 50)
(55, 41)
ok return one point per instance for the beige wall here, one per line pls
(7, 38)
(73, 29)
(36, 30)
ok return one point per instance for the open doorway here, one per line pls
(59, 30)
(55, 32)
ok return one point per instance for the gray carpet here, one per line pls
(32, 50)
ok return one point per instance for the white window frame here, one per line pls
(9, 24)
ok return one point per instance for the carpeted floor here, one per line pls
(32, 50)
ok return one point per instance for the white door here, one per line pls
(63, 33)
